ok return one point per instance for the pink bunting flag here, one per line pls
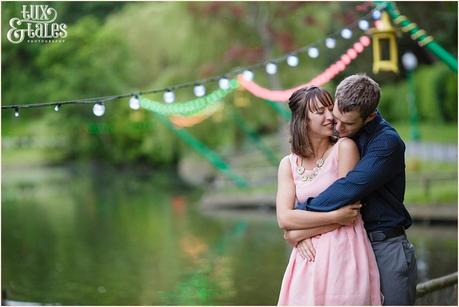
(322, 78)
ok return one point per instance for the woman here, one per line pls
(337, 267)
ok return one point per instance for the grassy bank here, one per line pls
(430, 132)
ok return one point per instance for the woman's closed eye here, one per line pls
(320, 111)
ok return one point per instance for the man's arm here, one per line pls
(375, 169)
(289, 219)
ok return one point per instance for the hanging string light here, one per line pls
(330, 43)
(98, 109)
(346, 33)
(271, 68)
(169, 96)
(199, 90)
(364, 25)
(376, 14)
(248, 74)
(292, 60)
(16, 112)
(134, 102)
(223, 83)
(283, 95)
(57, 107)
(313, 52)
(191, 107)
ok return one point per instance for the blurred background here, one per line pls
(123, 209)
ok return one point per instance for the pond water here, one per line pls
(95, 236)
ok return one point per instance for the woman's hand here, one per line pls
(307, 250)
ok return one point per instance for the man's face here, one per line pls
(347, 124)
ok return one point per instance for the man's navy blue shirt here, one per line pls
(378, 180)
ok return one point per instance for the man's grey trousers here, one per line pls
(397, 269)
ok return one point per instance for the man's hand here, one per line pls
(307, 250)
(347, 214)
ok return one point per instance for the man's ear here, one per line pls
(370, 117)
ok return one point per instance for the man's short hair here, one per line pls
(358, 92)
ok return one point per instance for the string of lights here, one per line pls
(199, 86)
(324, 77)
(191, 107)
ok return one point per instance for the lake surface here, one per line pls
(95, 236)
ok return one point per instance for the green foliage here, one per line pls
(435, 95)
(115, 48)
(432, 92)
(393, 104)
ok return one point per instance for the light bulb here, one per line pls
(134, 102)
(346, 33)
(292, 60)
(330, 43)
(271, 68)
(248, 75)
(169, 96)
(98, 109)
(363, 25)
(376, 14)
(313, 52)
(56, 108)
(199, 90)
(409, 61)
(223, 83)
(16, 112)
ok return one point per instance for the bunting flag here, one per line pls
(189, 121)
(190, 107)
(421, 36)
(324, 77)
(214, 158)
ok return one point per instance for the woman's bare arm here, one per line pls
(287, 217)
(295, 236)
(348, 156)
(347, 159)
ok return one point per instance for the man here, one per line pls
(378, 181)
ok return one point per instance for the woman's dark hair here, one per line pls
(309, 98)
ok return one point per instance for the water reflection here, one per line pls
(83, 236)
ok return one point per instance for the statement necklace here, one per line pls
(315, 171)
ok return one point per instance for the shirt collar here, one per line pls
(371, 126)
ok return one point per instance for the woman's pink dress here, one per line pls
(344, 271)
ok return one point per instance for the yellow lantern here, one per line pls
(384, 46)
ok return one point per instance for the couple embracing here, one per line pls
(340, 201)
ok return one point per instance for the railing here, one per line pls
(427, 180)
(438, 291)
